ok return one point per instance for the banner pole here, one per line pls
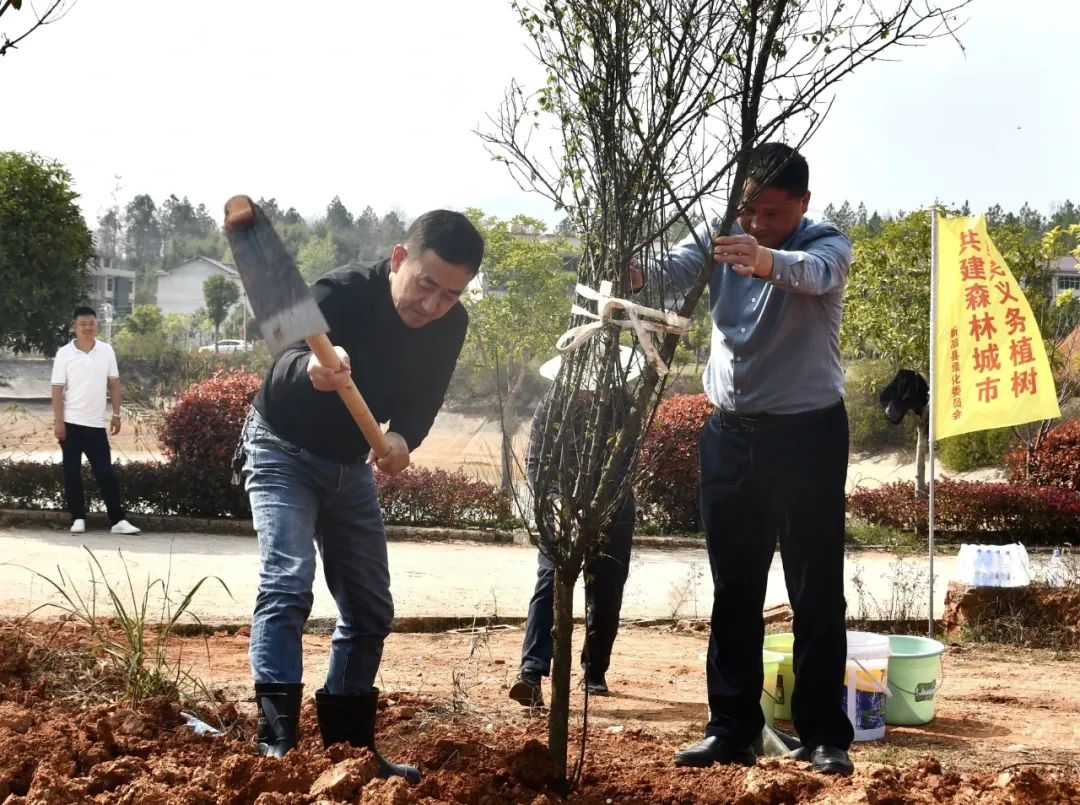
(930, 413)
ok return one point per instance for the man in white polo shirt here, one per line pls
(82, 371)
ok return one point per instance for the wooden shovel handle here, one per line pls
(350, 395)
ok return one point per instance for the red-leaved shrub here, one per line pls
(199, 435)
(988, 511)
(668, 477)
(1055, 463)
(426, 497)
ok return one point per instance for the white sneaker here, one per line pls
(124, 527)
(78, 527)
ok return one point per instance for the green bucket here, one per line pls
(770, 663)
(783, 644)
(915, 676)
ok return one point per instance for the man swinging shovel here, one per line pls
(398, 330)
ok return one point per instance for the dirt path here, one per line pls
(26, 434)
(456, 442)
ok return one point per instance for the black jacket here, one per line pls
(402, 372)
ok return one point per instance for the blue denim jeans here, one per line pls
(300, 502)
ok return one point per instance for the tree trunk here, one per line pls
(559, 715)
(506, 464)
(922, 448)
(507, 418)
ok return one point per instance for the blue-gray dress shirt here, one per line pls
(776, 340)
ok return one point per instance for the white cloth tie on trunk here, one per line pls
(642, 320)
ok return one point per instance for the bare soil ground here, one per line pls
(26, 432)
(1005, 732)
(457, 441)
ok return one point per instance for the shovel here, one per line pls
(283, 304)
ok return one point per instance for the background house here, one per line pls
(180, 288)
(1065, 276)
(110, 285)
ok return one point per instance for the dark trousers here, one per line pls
(776, 478)
(94, 443)
(605, 577)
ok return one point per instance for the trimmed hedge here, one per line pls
(417, 497)
(1033, 514)
(146, 487)
(200, 432)
(425, 497)
(422, 497)
(198, 437)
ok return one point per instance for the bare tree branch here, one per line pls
(54, 12)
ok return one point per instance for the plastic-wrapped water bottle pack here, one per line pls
(993, 565)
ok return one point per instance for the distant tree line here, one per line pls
(857, 222)
(147, 237)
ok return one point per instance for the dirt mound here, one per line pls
(1035, 616)
(58, 749)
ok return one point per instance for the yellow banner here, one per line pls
(990, 363)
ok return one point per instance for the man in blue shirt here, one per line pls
(773, 457)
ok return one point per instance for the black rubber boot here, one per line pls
(351, 719)
(279, 718)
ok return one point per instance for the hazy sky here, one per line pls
(377, 102)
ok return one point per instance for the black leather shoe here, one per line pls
(830, 760)
(526, 689)
(597, 687)
(713, 750)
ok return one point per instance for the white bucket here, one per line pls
(866, 683)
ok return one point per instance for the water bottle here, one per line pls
(987, 572)
(1008, 578)
(997, 554)
(1055, 574)
(980, 568)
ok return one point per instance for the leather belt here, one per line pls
(765, 421)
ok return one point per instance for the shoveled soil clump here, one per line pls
(1035, 616)
(56, 748)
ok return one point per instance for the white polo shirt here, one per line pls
(85, 377)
